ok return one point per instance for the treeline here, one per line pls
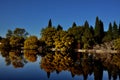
(82, 37)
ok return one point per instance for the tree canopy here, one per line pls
(77, 36)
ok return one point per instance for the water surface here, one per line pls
(33, 66)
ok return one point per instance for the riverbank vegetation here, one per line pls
(76, 37)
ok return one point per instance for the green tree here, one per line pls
(99, 30)
(31, 43)
(0, 38)
(20, 32)
(50, 23)
(59, 27)
(87, 37)
(77, 32)
(74, 25)
(92, 30)
(109, 34)
(115, 31)
(119, 29)
(9, 33)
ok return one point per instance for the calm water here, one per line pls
(32, 66)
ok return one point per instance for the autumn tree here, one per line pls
(31, 43)
(30, 55)
(16, 42)
(16, 59)
(117, 44)
(17, 37)
(58, 38)
(47, 35)
(5, 45)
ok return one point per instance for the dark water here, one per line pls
(56, 66)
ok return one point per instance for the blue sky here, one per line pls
(33, 15)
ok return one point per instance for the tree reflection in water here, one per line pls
(30, 55)
(83, 64)
(16, 59)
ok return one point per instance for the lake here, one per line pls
(31, 65)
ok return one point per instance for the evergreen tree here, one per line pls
(119, 29)
(74, 24)
(87, 37)
(59, 27)
(0, 38)
(92, 30)
(86, 25)
(99, 31)
(109, 34)
(50, 23)
(115, 31)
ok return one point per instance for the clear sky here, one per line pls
(33, 15)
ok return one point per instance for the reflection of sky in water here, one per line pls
(32, 71)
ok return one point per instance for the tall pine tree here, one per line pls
(74, 25)
(115, 30)
(99, 30)
(109, 34)
(50, 23)
(87, 37)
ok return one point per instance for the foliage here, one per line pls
(84, 36)
(47, 35)
(68, 40)
(117, 44)
(30, 55)
(99, 30)
(31, 43)
(20, 32)
(109, 34)
(115, 31)
(59, 27)
(5, 44)
(56, 61)
(16, 59)
(58, 39)
(87, 38)
(50, 23)
(16, 42)
(0, 38)
(9, 33)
